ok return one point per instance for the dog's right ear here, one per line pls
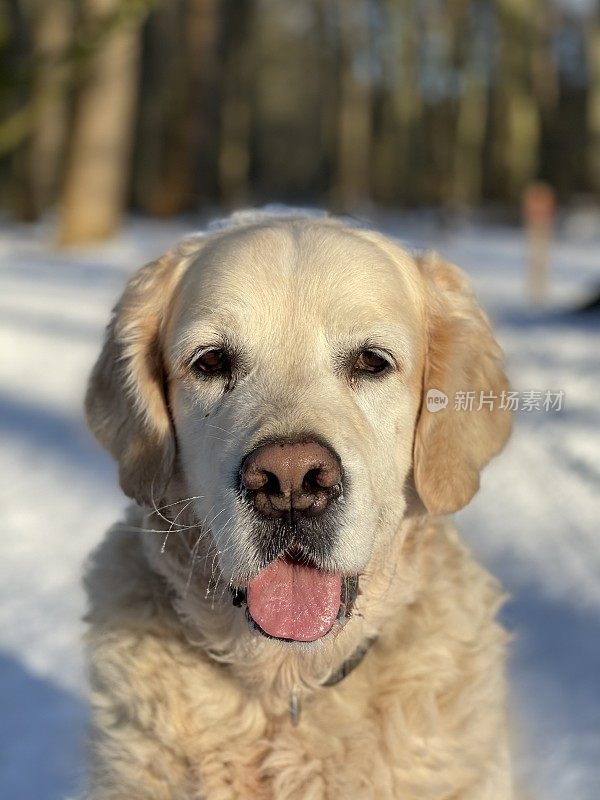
(452, 446)
(126, 404)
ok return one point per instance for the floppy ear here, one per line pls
(125, 403)
(452, 446)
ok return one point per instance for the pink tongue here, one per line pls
(292, 601)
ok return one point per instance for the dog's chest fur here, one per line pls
(422, 716)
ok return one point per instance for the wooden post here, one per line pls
(539, 205)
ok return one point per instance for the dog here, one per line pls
(285, 612)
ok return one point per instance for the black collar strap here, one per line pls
(349, 665)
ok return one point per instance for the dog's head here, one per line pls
(277, 373)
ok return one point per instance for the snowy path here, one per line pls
(535, 522)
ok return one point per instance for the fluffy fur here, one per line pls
(187, 701)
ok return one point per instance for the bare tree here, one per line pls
(593, 99)
(174, 162)
(343, 102)
(517, 110)
(236, 110)
(352, 182)
(472, 118)
(400, 104)
(97, 172)
(52, 35)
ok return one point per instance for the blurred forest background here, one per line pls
(173, 106)
(443, 122)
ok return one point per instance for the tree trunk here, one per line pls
(52, 33)
(176, 148)
(518, 113)
(328, 93)
(471, 122)
(593, 102)
(352, 184)
(97, 173)
(397, 174)
(236, 112)
(203, 61)
(470, 135)
(16, 49)
(186, 167)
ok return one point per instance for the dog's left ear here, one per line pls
(126, 404)
(452, 444)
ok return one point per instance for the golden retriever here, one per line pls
(285, 613)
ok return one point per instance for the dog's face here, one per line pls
(278, 370)
(295, 360)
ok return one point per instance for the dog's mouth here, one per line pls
(295, 601)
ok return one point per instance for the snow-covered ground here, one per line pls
(534, 523)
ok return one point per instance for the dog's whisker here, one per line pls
(216, 438)
(219, 428)
(228, 546)
(208, 513)
(216, 515)
(137, 529)
(194, 551)
(214, 571)
(156, 511)
(184, 541)
(177, 502)
(174, 522)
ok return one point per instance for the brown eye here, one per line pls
(212, 362)
(370, 361)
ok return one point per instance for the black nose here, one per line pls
(297, 477)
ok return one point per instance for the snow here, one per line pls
(534, 523)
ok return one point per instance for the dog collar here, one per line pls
(351, 663)
(348, 666)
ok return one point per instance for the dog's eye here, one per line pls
(212, 362)
(370, 361)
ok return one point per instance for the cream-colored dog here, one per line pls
(284, 613)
